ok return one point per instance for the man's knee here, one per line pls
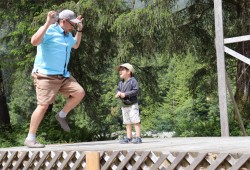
(43, 107)
(81, 93)
(77, 94)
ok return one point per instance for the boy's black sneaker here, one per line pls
(137, 140)
(126, 140)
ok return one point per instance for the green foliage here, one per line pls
(23, 99)
(179, 108)
(13, 136)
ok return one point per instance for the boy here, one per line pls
(127, 91)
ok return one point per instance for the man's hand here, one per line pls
(78, 32)
(80, 25)
(51, 17)
(36, 39)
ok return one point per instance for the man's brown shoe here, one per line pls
(63, 123)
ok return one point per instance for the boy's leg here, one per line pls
(138, 130)
(129, 131)
(128, 139)
(128, 124)
(137, 140)
(135, 118)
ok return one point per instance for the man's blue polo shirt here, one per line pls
(53, 53)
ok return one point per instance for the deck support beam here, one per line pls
(92, 161)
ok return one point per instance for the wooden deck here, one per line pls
(192, 144)
(153, 153)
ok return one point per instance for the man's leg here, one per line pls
(37, 117)
(35, 121)
(74, 99)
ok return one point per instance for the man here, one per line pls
(54, 41)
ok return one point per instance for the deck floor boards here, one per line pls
(176, 144)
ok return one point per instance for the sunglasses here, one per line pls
(73, 25)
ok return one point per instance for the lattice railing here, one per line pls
(123, 160)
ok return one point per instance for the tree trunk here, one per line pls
(4, 112)
(242, 94)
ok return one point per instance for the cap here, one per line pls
(127, 66)
(70, 15)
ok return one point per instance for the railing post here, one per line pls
(92, 161)
(221, 70)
